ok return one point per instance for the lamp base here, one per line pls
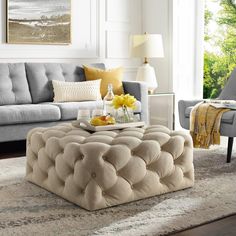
(151, 91)
(146, 73)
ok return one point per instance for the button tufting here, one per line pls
(123, 166)
(93, 175)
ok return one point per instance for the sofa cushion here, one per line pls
(40, 76)
(31, 113)
(69, 110)
(228, 117)
(14, 87)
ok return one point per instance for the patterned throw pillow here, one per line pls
(76, 91)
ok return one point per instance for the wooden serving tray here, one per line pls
(84, 124)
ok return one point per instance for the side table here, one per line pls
(162, 109)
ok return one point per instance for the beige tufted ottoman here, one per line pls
(102, 169)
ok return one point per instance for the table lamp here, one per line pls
(147, 46)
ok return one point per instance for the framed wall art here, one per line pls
(39, 21)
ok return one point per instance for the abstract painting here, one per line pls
(39, 21)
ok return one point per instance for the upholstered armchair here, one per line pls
(228, 121)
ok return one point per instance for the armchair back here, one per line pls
(229, 91)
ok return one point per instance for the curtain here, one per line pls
(188, 51)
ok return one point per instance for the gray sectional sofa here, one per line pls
(26, 97)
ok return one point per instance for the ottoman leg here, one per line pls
(230, 146)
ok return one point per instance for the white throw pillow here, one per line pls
(76, 91)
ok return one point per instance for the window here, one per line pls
(219, 45)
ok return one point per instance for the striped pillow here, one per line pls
(76, 91)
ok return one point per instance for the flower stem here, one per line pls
(126, 114)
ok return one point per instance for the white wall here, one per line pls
(100, 32)
(157, 19)
(181, 23)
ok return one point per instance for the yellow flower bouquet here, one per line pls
(124, 102)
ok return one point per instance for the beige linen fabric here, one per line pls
(102, 169)
(76, 91)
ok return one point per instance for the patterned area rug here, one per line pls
(26, 209)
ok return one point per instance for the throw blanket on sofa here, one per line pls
(205, 124)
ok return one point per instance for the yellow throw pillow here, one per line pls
(112, 76)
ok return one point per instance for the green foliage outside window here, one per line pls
(219, 63)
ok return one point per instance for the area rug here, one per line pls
(26, 209)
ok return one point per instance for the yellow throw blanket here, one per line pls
(205, 124)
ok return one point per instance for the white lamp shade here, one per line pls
(147, 45)
(146, 73)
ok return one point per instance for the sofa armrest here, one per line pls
(140, 91)
(182, 105)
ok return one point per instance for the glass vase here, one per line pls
(124, 115)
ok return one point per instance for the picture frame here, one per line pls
(39, 22)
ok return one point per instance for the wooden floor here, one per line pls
(222, 227)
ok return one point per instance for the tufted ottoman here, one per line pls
(102, 169)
